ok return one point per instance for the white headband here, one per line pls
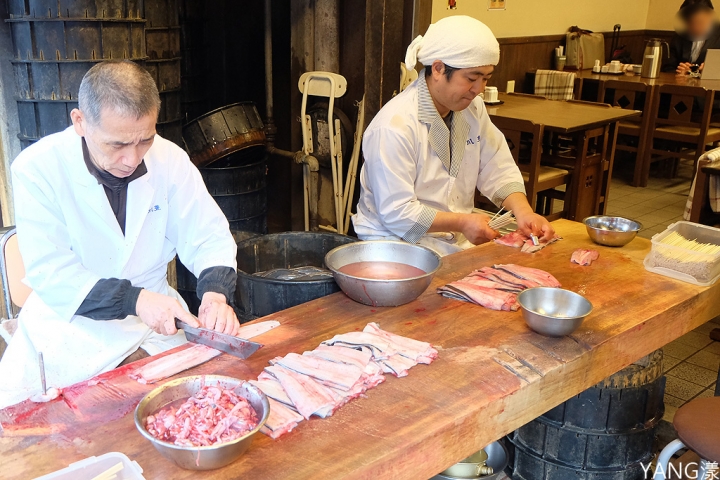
(458, 41)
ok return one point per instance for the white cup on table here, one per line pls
(491, 94)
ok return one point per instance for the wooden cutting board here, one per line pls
(493, 375)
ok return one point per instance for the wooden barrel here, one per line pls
(224, 131)
(606, 432)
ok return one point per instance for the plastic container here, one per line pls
(94, 466)
(703, 270)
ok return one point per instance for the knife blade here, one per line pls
(235, 346)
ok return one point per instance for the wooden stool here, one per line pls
(698, 428)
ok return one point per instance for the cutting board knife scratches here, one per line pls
(517, 368)
(517, 357)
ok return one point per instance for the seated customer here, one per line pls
(701, 32)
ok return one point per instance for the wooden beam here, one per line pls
(384, 50)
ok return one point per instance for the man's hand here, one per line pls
(216, 314)
(159, 311)
(531, 222)
(476, 229)
(683, 68)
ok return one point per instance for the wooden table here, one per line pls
(591, 82)
(592, 87)
(493, 375)
(593, 129)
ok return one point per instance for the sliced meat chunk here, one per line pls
(342, 375)
(351, 356)
(513, 239)
(281, 420)
(536, 275)
(504, 278)
(530, 247)
(174, 363)
(308, 396)
(487, 297)
(273, 389)
(584, 257)
(419, 351)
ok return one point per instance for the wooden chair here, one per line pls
(15, 293)
(12, 271)
(679, 125)
(525, 141)
(700, 212)
(632, 133)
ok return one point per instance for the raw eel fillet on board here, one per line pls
(584, 257)
(320, 381)
(496, 288)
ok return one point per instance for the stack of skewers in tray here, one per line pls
(686, 251)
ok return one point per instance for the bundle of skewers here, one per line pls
(501, 221)
(692, 250)
(698, 259)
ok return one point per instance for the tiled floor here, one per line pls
(691, 361)
(658, 205)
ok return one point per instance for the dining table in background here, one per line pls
(493, 375)
(592, 130)
(594, 85)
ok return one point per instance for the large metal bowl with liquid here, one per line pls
(553, 312)
(200, 458)
(611, 231)
(381, 292)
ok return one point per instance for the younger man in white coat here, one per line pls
(433, 145)
(101, 208)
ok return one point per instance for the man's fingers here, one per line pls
(230, 321)
(236, 326)
(186, 317)
(170, 328)
(220, 323)
(211, 316)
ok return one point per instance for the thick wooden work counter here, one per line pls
(493, 375)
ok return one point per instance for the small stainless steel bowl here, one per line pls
(497, 459)
(553, 311)
(383, 293)
(200, 458)
(611, 231)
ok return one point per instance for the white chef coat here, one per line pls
(411, 172)
(69, 239)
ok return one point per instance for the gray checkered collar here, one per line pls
(439, 136)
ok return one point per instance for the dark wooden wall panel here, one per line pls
(519, 55)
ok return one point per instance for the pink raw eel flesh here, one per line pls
(320, 381)
(584, 257)
(210, 417)
(517, 240)
(497, 288)
(193, 356)
(177, 362)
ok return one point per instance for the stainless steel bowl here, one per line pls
(473, 466)
(497, 459)
(553, 311)
(383, 293)
(611, 231)
(200, 458)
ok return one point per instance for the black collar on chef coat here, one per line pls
(115, 188)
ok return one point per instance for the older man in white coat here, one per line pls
(101, 208)
(433, 145)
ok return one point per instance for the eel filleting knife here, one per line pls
(235, 346)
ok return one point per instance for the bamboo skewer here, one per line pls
(110, 472)
(695, 251)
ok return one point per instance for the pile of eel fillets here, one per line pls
(320, 381)
(497, 287)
